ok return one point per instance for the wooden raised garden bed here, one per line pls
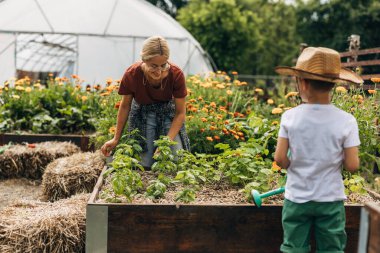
(191, 228)
(370, 229)
(82, 141)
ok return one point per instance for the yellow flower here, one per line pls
(220, 86)
(28, 89)
(341, 89)
(20, 88)
(16, 96)
(84, 98)
(281, 105)
(209, 138)
(372, 91)
(275, 123)
(243, 83)
(37, 85)
(276, 111)
(260, 91)
(275, 167)
(270, 101)
(112, 130)
(291, 94)
(229, 92)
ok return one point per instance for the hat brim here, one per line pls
(345, 75)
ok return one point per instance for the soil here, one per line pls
(211, 194)
(18, 189)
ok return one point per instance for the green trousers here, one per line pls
(328, 220)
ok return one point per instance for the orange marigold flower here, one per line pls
(213, 104)
(192, 100)
(375, 79)
(260, 91)
(105, 94)
(234, 73)
(226, 122)
(205, 110)
(240, 134)
(200, 98)
(216, 137)
(112, 130)
(236, 136)
(204, 119)
(109, 81)
(275, 167)
(291, 94)
(212, 128)
(75, 76)
(209, 138)
(270, 101)
(276, 111)
(229, 92)
(281, 106)
(275, 123)
(117, 105)
(202, 130)
(372, 91)
(340, 89)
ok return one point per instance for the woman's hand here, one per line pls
(108, 147)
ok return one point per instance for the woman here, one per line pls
(153, 101)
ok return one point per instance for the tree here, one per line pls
(330, 23)
(279, 39)
(226, 31)
(169, 6)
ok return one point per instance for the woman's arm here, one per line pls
(281, 154)
(122, 116)
(179, 117)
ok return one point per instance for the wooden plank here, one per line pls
(197, 228)
(99, 183)
(374, 227)
(81, 141)
(361, 63)
(368, 77)
(96, 228)
(361, 52)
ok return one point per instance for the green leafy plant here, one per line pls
(164, 157)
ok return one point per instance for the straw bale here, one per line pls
(34, 226)
(71, 175)
(23, 161)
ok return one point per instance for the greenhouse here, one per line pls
(93, 39)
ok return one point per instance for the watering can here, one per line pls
(257, 197)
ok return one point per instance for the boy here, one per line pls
(320, 138)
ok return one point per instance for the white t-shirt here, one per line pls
(317, 135)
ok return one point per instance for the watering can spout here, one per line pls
(257, 197)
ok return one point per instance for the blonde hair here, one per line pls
(154, 46)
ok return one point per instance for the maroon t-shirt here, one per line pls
(174, 85)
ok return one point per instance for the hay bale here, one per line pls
(34, 226)
(30, 161)
(71, 175)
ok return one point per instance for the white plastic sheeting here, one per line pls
(96, 39)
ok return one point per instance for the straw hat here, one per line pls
(319, 63)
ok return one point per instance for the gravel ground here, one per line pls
(18, 189)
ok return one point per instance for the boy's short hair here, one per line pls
(319, 85)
